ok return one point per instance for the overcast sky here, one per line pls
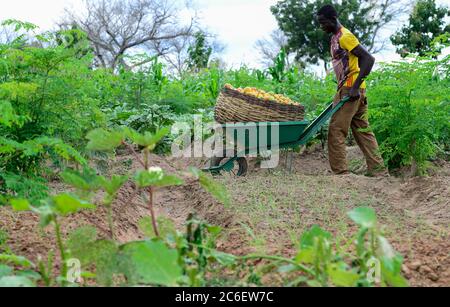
(238, 23)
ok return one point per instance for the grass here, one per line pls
(272, 212)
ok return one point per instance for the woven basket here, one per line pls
(233, 106)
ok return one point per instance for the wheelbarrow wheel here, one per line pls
(241, 169)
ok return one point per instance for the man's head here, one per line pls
(327, 17)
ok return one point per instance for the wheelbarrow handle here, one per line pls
(320, 121)
(345, 100)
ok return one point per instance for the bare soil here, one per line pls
(271, 208)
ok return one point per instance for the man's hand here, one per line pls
(354, 94)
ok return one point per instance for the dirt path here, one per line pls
(271, 208)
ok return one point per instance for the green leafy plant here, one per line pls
(409, 112)
(322, 262)
(50, 212)
(166, 258)
(278, 70)
(10, 277)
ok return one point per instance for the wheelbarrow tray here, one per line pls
(249, 138)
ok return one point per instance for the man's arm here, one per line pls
(366, 63)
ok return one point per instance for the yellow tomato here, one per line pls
(258, 93)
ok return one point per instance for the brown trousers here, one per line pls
(352, 115)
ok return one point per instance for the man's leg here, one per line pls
(338, 132)
(366, 139)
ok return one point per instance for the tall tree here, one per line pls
(426, 22)
(366, 18)
(116, 27)
(190, 52)
(199, 52)
(74, 39)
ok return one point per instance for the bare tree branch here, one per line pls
(116, 28)
(386, 11)
(269, 48)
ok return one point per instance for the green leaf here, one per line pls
(20, 205)
(113, 186)
(79, 242)
(391, 271)
(147, 139)
(32, 188)
(223, 258)
(391, 263)
(58, 147)
(214, 230)
(391, 260)
(342, 278)
(5, 270)
(75, 180)
(46, 214)
(153, 264)
(166, 228)
(385, 249)
(16, 260)
(32, 275)
(307, 239)
(16, 281)
(83, 245)
(169, 180)
(66, 204)
(305, 255)
(155, 177)
(364, 217)
(145, 178)
(213, 187)
(102, 140)
(86, 181)
(7, 114)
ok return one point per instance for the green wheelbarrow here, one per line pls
(262, 140)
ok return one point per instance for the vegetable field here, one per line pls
(91, 195)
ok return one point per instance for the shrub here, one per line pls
(409, 109)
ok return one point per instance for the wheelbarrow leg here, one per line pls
(290, 159)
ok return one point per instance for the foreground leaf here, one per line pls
(153, 263)
(364, 217)
(20, 205)
(102, 140)
(5, 270)
(308, 238)
(157, 178)
(147, 139)
(342, 278)
(83, 245)
(113, 186)
(66, 204)
(16, 281)
(391, 270)
(16, 260)
(88, 180)
(166, 228)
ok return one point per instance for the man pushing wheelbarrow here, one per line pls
(352, 64)
(243, 111)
